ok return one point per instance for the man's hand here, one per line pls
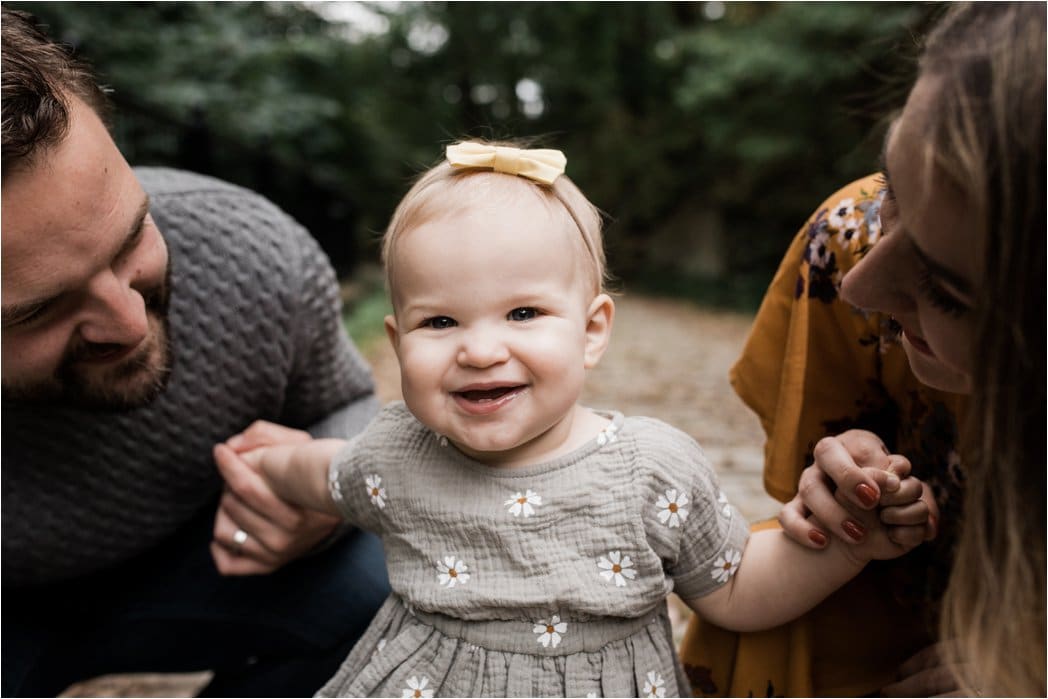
(255, 531)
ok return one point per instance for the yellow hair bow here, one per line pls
(540, 164)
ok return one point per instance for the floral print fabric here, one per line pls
(545, 553)
(815, 366)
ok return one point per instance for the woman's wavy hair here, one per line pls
(987, 64)
(39, 76)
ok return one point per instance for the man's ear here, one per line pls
(392, 333)
(599, 319)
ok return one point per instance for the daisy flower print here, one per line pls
(653, 685)
(524, 504)
(417, 688)
(616, 568)
(375, 490)
(549, 632)
(726, 565)
(672, 507)
(451, 572)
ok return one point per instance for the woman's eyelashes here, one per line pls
(939, 297)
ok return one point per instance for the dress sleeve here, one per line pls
(358, 474)
(688, 520)
(814, 365)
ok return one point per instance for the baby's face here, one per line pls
(493, 329)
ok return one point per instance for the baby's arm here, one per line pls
(298, 473)
(779, 580)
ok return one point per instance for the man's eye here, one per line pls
(520, 314)
(28, 317)
(439, 323)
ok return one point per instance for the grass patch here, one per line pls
(363, 317)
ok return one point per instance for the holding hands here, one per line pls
(256, 530)
(859, 492)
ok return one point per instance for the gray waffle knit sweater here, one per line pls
(255, 334)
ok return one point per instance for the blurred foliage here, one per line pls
(706, 131)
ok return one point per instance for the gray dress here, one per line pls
(544, 580)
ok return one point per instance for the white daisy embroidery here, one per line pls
(653, 686)
(549, 631)
(617, 568)
(725, 566)
(722, 501)
(334, 486)
(417, 688)
(375, 490)
(607, 435)
(451, 572)
(524, 504)
(672, 507)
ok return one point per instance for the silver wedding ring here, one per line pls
(240, 538)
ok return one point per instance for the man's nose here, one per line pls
(115, 313)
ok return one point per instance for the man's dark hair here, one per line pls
(39, 77)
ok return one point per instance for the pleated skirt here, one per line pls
(407, 653)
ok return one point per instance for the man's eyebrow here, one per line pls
(135, 232)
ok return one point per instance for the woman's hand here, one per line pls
(854, 472)
(256, 532)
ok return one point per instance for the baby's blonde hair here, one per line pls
(443, 189)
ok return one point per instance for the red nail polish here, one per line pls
(817, 538)
(867, 495)
(853, 529)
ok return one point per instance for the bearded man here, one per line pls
(148, 314)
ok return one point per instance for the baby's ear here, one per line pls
(392, 333)
(599, 319)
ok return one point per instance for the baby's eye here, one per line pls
(439, 322)
(525, 313)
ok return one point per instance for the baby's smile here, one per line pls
(483, 399)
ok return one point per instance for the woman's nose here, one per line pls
(883, 280)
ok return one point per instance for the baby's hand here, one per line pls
(910, 513)
(902, 520)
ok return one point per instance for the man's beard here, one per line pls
(130, 383)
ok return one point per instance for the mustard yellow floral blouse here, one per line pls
(813, 366)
